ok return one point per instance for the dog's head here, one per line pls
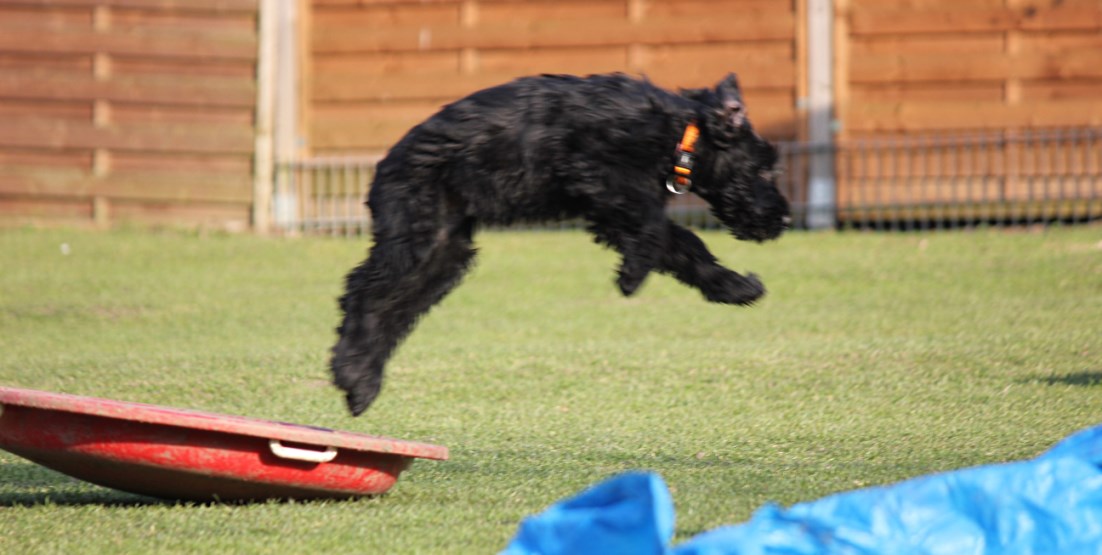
(738, 176)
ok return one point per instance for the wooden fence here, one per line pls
(133, 110)
(949, 70)
(912, 66)
(378, 68)
(147, 110)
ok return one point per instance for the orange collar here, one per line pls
(681, 181)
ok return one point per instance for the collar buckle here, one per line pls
(681, 180)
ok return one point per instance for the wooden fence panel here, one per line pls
(954, 67)
(136, 110)
(378, 68)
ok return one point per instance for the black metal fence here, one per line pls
(921, 182)
(1002, 179)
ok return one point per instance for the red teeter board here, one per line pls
(192, 455)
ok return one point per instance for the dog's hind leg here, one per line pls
(392, 317)
(688, 260)
(357, 352)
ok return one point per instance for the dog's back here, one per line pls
(514, 152)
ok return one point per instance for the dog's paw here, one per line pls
(732, 288)
(628, 284)
(361, 395)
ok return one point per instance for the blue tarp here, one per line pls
(1048, 505)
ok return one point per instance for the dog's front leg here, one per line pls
(641, 247)
(636, 264)
(688, 260)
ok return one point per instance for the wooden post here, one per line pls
(636, 54)
(305, 57)
(101, 211)
(820, 113)
(800, 48)
(102, 68)
(284, 202)
(265, 93)
(1012, 189)
(468, 56)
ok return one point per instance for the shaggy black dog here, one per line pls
(608, 149)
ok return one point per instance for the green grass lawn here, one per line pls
(874, 358)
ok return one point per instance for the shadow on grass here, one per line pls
(1079, 379)
(30, 485)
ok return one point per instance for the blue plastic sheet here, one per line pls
(1048, 505)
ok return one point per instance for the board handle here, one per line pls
(295, 454)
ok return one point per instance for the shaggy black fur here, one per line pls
(541, 149)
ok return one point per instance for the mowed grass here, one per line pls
(874, 358)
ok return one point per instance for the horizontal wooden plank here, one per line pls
(936, 92)
(1067, 41)
(389, 63)
(43, 62)
(931, 116)
(578, 61)
(195, 21)
(977, 211)
(127, 113)
(176, 5)
(191, 91)
(916, 5)
(442, 87)
(161, 186)
(122, 162)
(232, 217)
(1062, 90)
(327, 18)
(1075, 16)
(17, 210)
(195, 45)
(408, 112)
(968, 162)
(917, 45)
(34, 133)
(898, 22)
(976, 67)
(758, 65)
(81, 111)
(31, 157)
(336, 88)
(672, 9)
(526, 13)
(323, 4)
(732, 53)
(557, 33)
(122, 66)
(26, 16)
(882, 22)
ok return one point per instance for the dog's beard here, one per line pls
(761, 217)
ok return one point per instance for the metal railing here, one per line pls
(323, 195)
(1003, 179)
(924, 182)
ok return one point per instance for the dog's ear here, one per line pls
(730, 101)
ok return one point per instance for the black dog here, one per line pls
(609, 149)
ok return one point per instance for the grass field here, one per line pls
(875, 357)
